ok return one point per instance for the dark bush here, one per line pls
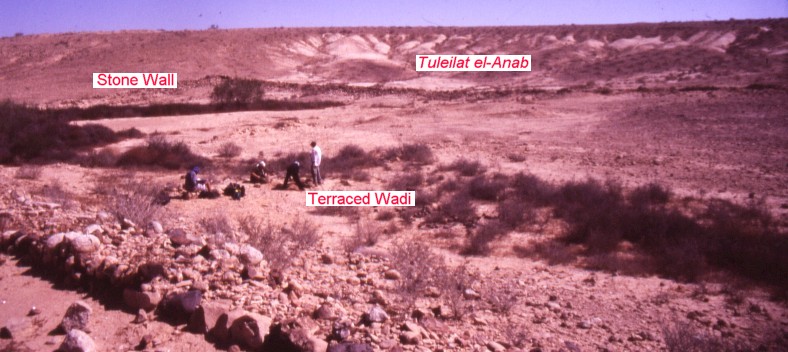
(229, 150)
(480, 239)
(457, 208)
(406, 182)
(515, 212)
(237, 92)
(532, 189)
(466, 167)
(414, 153)
(28, 172)
(649, 194)
(487, 188)
(349, 162)
(280, 164)
(158, 151)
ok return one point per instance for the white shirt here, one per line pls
(317, 155)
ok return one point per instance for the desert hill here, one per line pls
(52, 68)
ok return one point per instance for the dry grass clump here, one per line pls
(367, 234)
(480, 238)
(684, 337)
(217, 224)
(418, 267)
(107, 157)
(132, 199)
(229, 150)
(456, 208)
(281, 245)
(158, 151)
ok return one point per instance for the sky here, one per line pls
(56, 16)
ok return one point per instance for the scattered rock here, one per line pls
(179, 237)
(93, 229)
(376, 314)
(141, 300)
(495, 347)
(77, 317)
(77, 341)
(471, 294)
(392, 274)
(180, 307)
(156, 227)
(212, 318)
(249, 330)
(325, 312)
(340, 331)
(250, 255)
(33, 311)
(410, 338)
(83, 243)
(327, 259)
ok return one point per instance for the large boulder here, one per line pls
(179, 307)
(250, 255)
(250, 329)
(77, 341)
(77, 317)
(212, 318)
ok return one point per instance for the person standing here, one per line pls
(317, 156)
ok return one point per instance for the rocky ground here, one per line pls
(612, 103)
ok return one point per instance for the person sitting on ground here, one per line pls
(292, 171)
(194, 183)
(259, 175)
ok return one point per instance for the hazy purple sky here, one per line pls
(53, 16)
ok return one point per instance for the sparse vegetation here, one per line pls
(160, 152)
(466, 167)
(229, 150)
(133, 199)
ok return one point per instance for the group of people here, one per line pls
(259, 174)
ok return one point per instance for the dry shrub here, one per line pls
(406, 182)
(281, 245)
(532, 189)
(229, 150)
(452, 283)
(466, 167)
(684, 337)
(138, 201)
(502, 296)
(303, 235)
(414, 153)
(484, 188)
(57, 194)
(160, 152)
(28, 172)
(456, 208)
(479, 240)
(350, 161)
(280, 164)
(269, 239)
(515, 212)
(367, 234)
(650, 194)
(216, 224)
(418, 267)
(386, 215)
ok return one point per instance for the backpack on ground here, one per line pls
(235, 191)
